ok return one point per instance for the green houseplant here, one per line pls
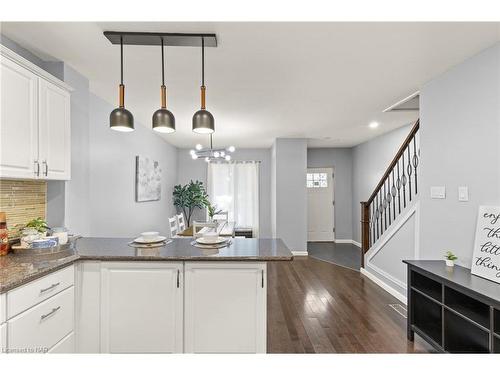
(38, 224)
(212, 210)
(450, 258)
(189, 197)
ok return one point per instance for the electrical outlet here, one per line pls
(463, 193)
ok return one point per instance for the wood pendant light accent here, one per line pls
(203, 97)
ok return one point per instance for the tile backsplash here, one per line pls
(22, 200)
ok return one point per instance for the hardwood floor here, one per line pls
(318, 307)
(341, 254)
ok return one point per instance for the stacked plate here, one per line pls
(211, 242)
(149, 239)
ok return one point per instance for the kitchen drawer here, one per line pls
(3, 308)
(26, 296)
(65, 346)
(3, 337)
(44, 325)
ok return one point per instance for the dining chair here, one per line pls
(172, 224)
(181, 223)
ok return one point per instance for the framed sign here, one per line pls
(486, 256)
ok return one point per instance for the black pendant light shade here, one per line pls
(163, 119)
(203, 121)
(120, 118)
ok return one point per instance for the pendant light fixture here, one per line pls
(120, 118)
(203, 121)
(163, 119)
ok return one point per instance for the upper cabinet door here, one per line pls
(225, 307)
(55, 137)
(141, 307)
(19, 121)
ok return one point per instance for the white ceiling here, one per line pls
(321, 81)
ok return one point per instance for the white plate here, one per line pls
(157, 239)
(211, 240)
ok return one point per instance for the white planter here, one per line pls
(450, 263)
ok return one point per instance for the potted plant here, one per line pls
(189, 197)
(450, 258)
(39, 225)
(212, 210)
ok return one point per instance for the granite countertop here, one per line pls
(16, 270)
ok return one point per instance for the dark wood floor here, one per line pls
(318, 307)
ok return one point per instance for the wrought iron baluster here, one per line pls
(409, 170)
(381, 208)
(398, 186)
(378, 216)
(389, 197)
(404, 180)
(393, 193)
(415, 161)
(385, 207)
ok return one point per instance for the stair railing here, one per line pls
(396, 189)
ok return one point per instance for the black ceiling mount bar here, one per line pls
(154, 39)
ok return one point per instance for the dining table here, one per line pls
(224, 229)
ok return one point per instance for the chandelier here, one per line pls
(210, 153)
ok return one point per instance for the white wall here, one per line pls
(460, 146)
(189, 169)
(113, 209)
(340, 159)
(289, 157)
(370, 160)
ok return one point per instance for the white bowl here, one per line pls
(149, 236)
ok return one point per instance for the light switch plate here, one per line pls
(438, 192)
(463, 193)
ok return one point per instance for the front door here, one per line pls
(320, 225)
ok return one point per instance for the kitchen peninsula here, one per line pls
(108, 297)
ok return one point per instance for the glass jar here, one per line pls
(62, 234)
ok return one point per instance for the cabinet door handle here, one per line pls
(178, 278)
(46, 167)
(37, 170)
(54, 310)
(262, 279)
(49, 288)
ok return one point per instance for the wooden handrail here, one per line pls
(394, 161)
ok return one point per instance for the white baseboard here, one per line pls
(387, 288)
(300, 253)
(348, 241)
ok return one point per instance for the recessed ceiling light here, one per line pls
(373, 125)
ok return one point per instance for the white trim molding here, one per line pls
(389, 289)
(11, 55)
(300, 253)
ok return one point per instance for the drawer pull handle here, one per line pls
(54, 310)
(49, 288)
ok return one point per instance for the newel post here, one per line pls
(365, 230)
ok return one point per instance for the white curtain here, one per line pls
(234, 187)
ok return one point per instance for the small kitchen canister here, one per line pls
(62, 234)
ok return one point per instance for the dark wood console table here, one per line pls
(452, 310)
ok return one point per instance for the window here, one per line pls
(234, 187)
(317, 180)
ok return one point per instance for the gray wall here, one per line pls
(460, 138)
(113, 209)
(370, 160)
(189, 169)
(340, 159)
(290, 200)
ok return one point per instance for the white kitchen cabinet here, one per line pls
(65, 346)
(3, 308)
(3, 338)
(54, 132)
(141, 307)
(35, 121)
(225, 307)
(43, 326)
(19, 121)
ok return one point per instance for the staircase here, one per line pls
(397, 188)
